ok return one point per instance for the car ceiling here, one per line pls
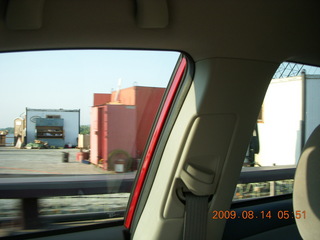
(257, 30)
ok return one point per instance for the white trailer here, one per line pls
(289, 114)
(66, 134)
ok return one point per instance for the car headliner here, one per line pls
(256, 30)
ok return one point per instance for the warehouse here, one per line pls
(57, 127)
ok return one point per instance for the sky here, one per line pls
(68, 79)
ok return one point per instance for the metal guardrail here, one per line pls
(264, 174)
(39, 187)
(264, 182)
(30, 189)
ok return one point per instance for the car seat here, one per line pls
(306, 192)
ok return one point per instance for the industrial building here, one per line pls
(120, 124)
(57, 127)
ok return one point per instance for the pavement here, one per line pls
(43, 161)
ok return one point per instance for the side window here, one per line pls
(287, 118)
(73, 128)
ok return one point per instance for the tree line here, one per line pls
(84, 129)
(9, 129)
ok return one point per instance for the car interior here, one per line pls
(192, 167)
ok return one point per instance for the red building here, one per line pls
(101, 99)
(120, 124)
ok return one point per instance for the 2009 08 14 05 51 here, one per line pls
(281, 214)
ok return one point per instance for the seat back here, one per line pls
(306, 192)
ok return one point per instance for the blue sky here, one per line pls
(68, 79)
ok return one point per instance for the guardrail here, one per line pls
(264, 181)
(264, 174)
(30, 189)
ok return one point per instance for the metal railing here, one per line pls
(31, 189)
(264, 182)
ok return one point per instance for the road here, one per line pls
(42, 161)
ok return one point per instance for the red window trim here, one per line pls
(154, 141)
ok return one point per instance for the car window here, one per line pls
(287, 118)
(73, 128)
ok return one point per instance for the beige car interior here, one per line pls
(234, 48)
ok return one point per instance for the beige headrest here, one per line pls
(306, 192)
